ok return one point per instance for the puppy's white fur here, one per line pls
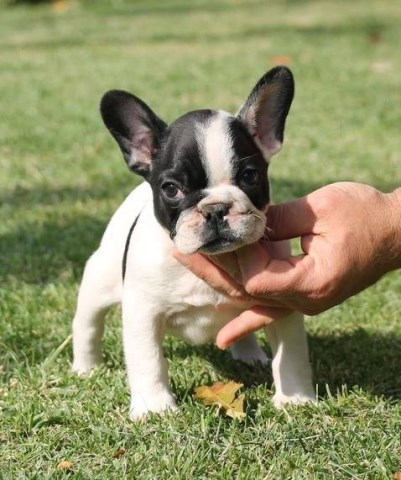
(217, 148)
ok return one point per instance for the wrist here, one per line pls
(394, 232)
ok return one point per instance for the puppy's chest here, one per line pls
(196, 312)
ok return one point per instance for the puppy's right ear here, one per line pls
(135, 127)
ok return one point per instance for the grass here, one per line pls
(62, 177)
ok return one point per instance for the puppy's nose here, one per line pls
(210, 210)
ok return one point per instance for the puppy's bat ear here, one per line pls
(265, 110)
(135, 127)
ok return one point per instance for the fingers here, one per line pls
(207, 270)
(229, 264)
(290, 220)
(249, 321)
(263, 275)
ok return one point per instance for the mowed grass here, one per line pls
(62, 177)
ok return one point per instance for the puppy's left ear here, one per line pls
(135, 127)
(265, 110)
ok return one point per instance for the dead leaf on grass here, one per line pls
(375, 37)
(223, 395)
(119, 453)
(397, 476)
(65, 465)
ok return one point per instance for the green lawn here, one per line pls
(61, 177)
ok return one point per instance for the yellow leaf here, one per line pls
(119, 453)
(65, 465)
(237, 408)
(223, 395)
(397, 476)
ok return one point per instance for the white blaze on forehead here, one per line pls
(217, 149)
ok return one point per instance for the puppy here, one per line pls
(206, 191)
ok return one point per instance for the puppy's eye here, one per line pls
(171, 191)
(250, 176)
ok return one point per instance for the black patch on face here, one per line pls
(179, 162)
(248, 159)
(217, 235)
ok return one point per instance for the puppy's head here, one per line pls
(208, 169)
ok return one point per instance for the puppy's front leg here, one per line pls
(292, 373)
(143, 333)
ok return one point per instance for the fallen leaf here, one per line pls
(237, 407)
(119, 453)
(65, 465)
(223, 395)
(397, 476)
(375, 37)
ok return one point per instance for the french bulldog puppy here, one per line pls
(206, 191)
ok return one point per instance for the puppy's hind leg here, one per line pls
(99, 290)
(248, 350)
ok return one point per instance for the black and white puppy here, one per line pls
(206, 191)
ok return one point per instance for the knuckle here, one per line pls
(328, 199)
(254, 287)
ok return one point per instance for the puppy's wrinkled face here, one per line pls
(209, 183)
(208, 169)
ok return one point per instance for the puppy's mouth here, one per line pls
(221, 232)
(220, 244)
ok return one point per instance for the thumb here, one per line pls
(249, 321)
(290, 220)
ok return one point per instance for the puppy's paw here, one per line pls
(142, 404)
(250, 356)
(280, 400)
(83, 366)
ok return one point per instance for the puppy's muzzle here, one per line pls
(214, 211)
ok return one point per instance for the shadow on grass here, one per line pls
(41, 251)
(370, 361)
(44, 195)
(46, 252)
(222, 361)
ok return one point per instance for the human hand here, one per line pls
(350, 235)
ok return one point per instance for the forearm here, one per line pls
(394, 233)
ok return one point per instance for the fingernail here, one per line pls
(223, 347)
